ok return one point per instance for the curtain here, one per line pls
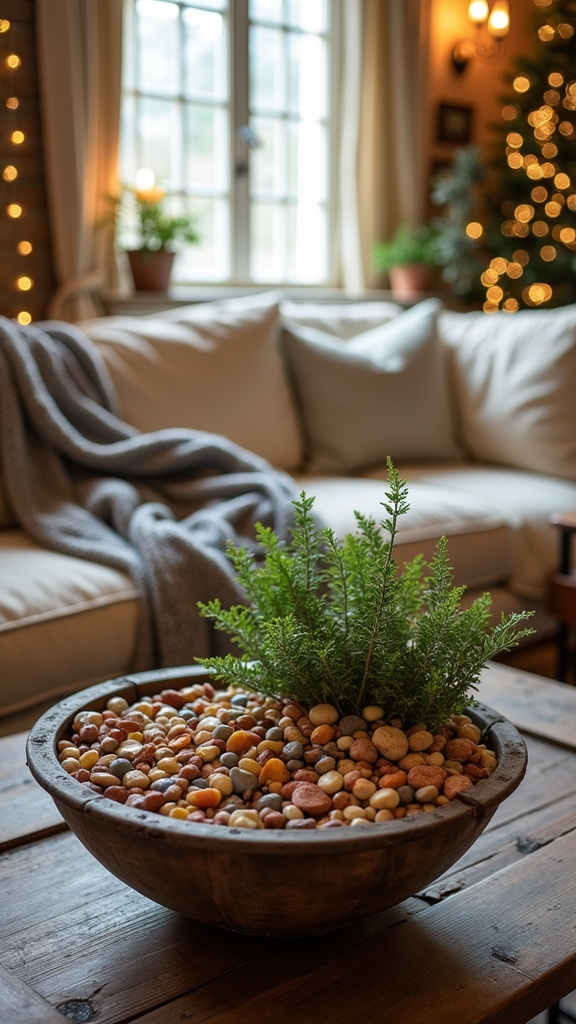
(393, 130)
(79, 58)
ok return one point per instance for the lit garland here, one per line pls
(14, 210)
(540, 229)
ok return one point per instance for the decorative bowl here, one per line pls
(267, 882)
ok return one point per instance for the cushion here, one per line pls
(524, 500)
(481, 542)
(211, 366)
(382, 393)
(341, 319)
(515, 382)
(65, 623)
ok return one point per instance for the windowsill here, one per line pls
(127, 303)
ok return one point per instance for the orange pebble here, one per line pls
(322, 734)
(455, 784)
(240, 741)
(179, 742)
(393, 781)
(204, 797)
(274, 771)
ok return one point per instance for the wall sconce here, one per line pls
(491, 27)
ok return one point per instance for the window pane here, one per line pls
(210, 260)
(307, 244)
(267, 242)
(268, 162)
(159, 63)
(204, 54)
(206, 146)
(310, 15)
(307, 94)
(266, 69)
(307, 163)
(159, 127)
(216, 5)
(266, 10)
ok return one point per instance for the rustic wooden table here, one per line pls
(492, 940)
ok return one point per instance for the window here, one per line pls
(228, 102)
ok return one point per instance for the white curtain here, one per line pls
(391, 164)
(79, 56)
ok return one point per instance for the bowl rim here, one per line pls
(67, 793)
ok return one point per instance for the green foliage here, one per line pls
(146, 224)
(458, 190)
(335, 621)
(541, 121)
(407, 245)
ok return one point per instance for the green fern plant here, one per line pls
(335, 621)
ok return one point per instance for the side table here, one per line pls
(562, 594)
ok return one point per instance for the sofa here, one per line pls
(477, 412)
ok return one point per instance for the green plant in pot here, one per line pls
(408, 257)
(153, 234)
(336, 622)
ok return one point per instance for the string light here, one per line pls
(14, 210)
(536, 128)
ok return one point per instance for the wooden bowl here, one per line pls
(266, 882)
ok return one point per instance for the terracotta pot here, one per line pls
(151, 270)
(410, 280)
(266, 882)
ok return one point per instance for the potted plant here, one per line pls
(336, 622)
(408, 258)
(153, 233)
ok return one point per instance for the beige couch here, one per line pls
(477, 411)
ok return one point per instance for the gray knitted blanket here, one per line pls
(160, 506)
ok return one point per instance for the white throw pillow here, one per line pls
(383, 393)
(515, 384)
(214, 366)
(341, 319)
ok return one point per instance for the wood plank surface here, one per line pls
(534, 704)
(26, 810)
(19, 1003)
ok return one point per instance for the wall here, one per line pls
(481, 84)
(27, 189)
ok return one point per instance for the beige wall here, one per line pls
(481, 84)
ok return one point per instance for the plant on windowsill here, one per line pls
(336, 622)
(409, 258)
(155, 234)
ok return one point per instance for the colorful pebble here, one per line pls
(243, 760)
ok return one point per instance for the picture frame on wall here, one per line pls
(455, 123)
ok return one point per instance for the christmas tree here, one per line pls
(530, 229)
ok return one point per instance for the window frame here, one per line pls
(238, 171)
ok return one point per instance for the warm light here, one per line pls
(17, 138)
(546, 33)
(499, 265)
(24, 248)
(521, 257)
(489, 277)
(553, 209)
(24, 283)
(495, 294)
(514, 270)
(9, 173)
(145, 179)
(478, 11)
(524, 213)
(499, 20)
(474, 229)
(13, 61)
(510, 112)
(24, 318)
(4, 25)
(514, 139)
(540, 228)
(562, 181)
(568, 236)
(548, 253)
(539, 194)
(566, 30)
(555, 79)
(12, 103)
(14, 210)
(521, 83)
